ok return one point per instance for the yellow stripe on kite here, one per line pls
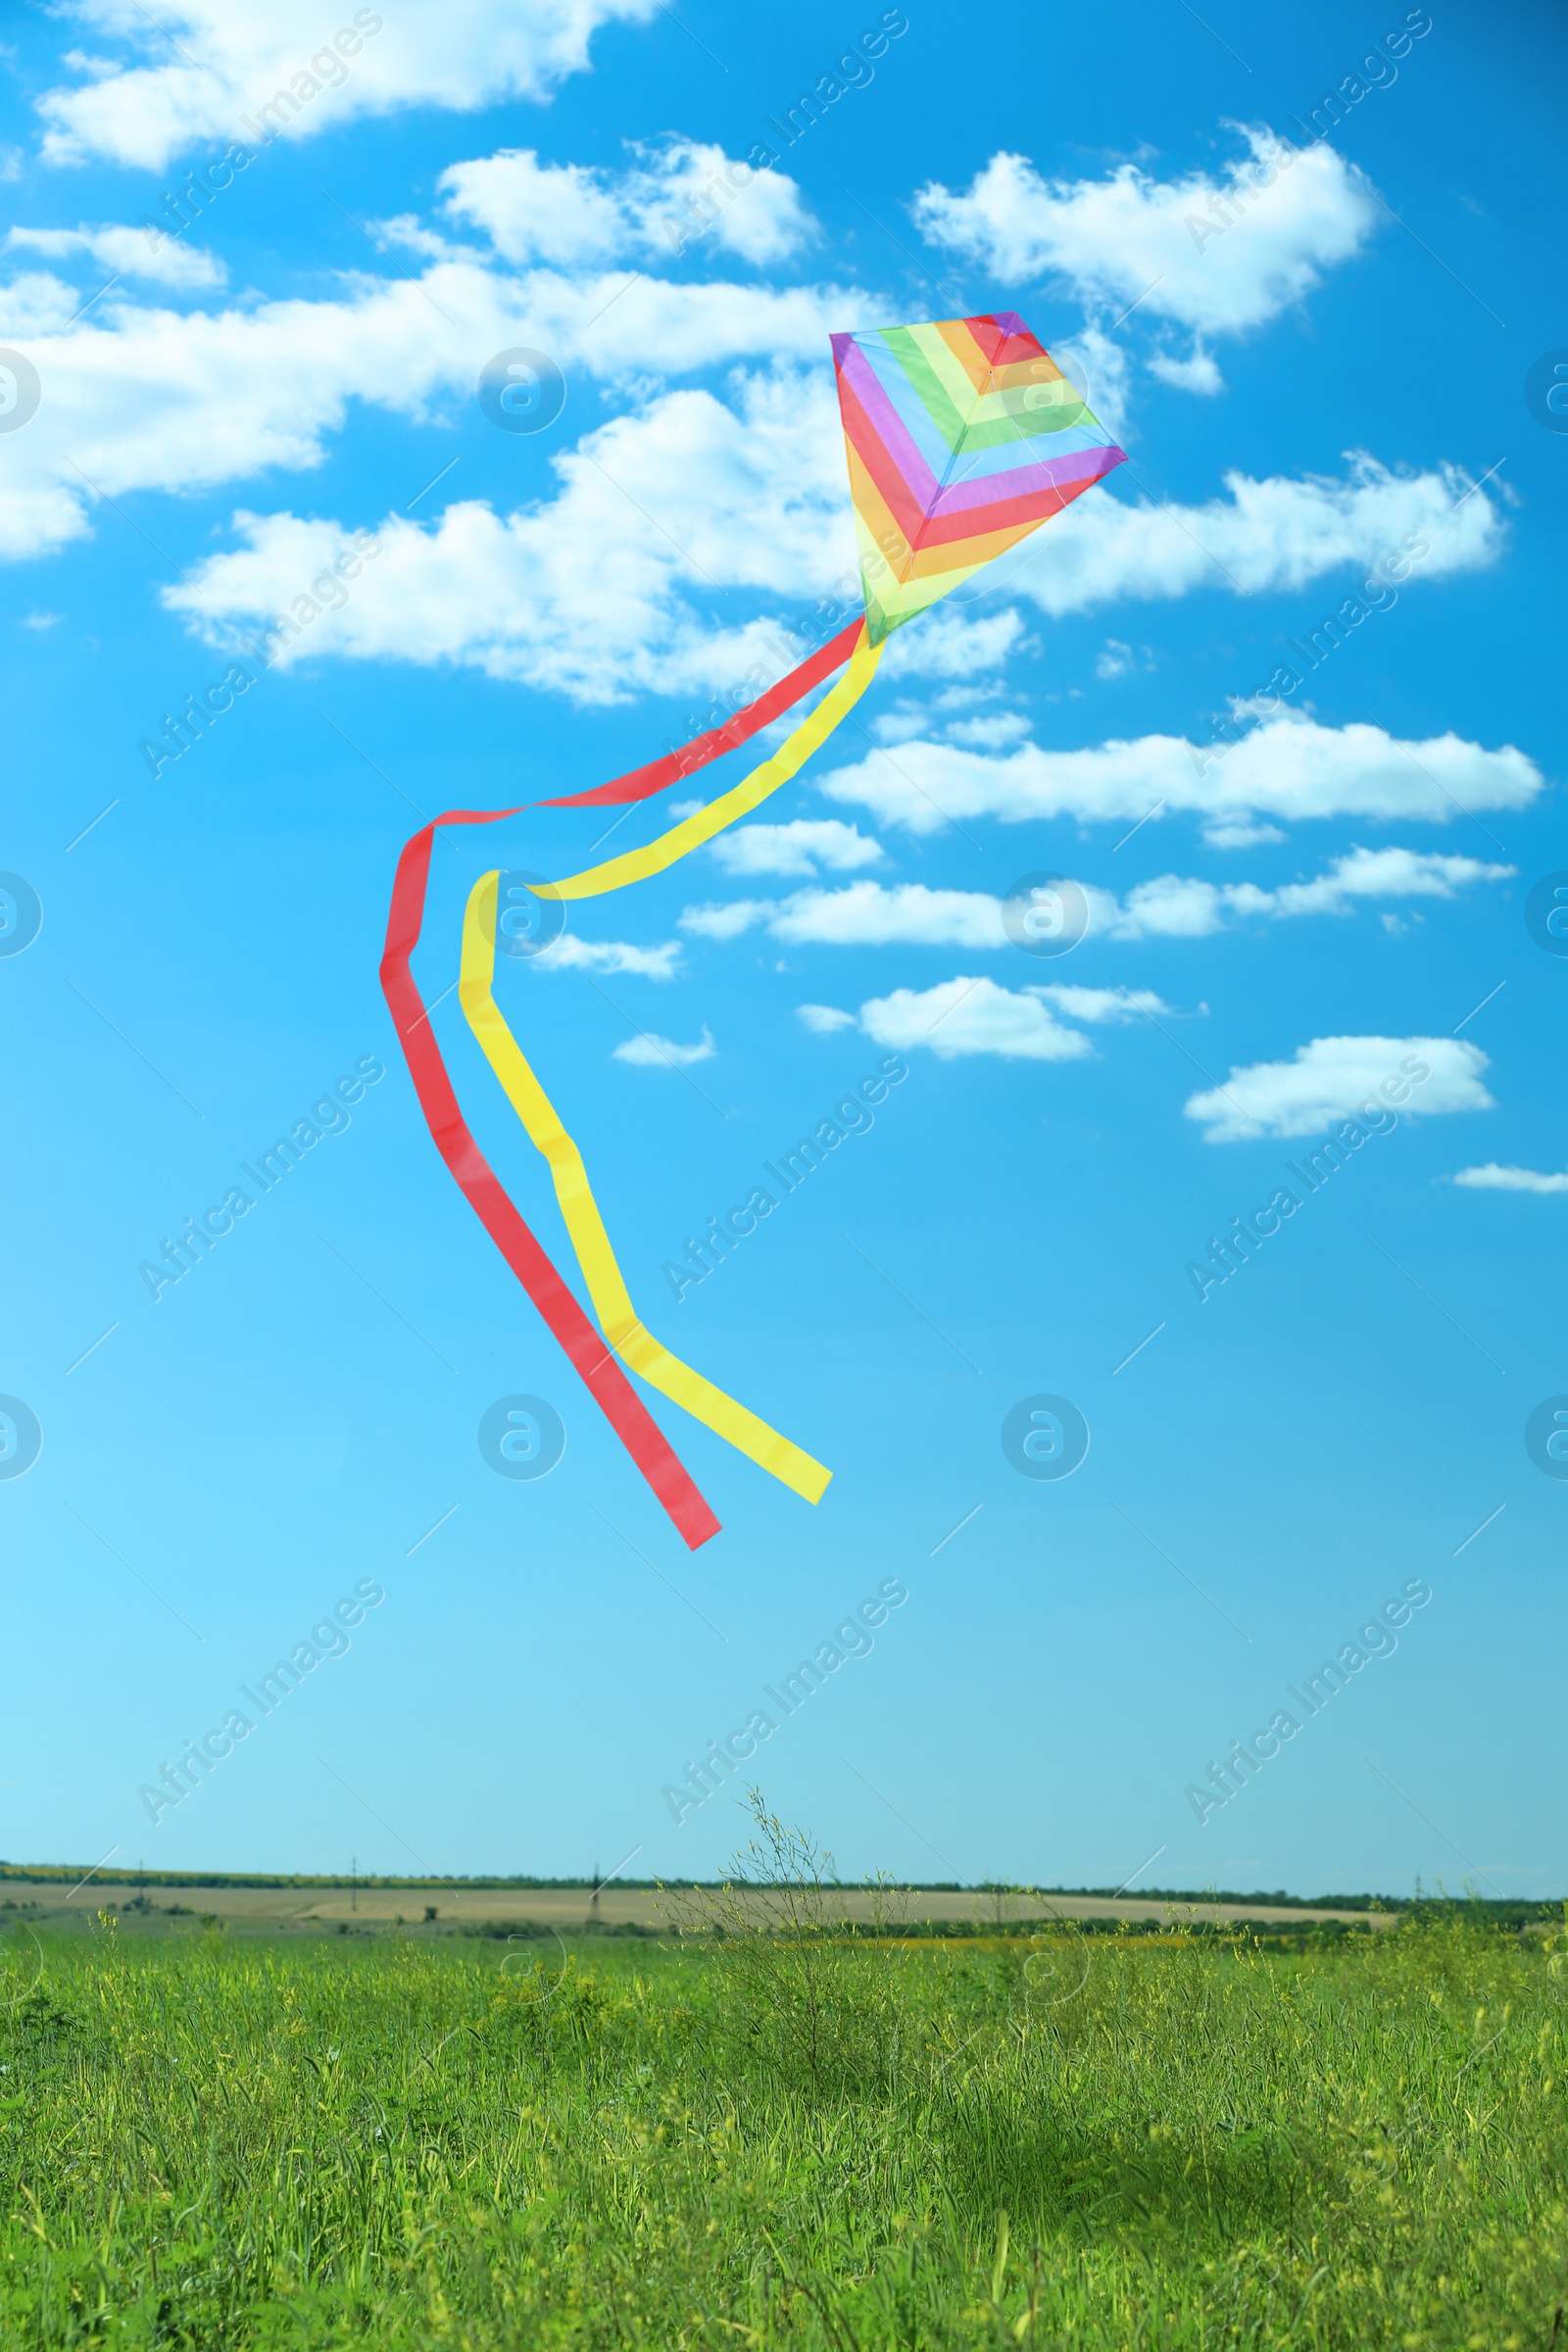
(618, 1319)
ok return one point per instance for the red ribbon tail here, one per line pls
(640, 783)
(596, 1362)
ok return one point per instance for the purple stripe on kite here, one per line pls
(995, 489)
(889, 427)
(916, 410)
(882, 406)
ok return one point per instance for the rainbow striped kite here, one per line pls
(962, 436)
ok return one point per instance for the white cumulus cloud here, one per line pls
(951, 643)
(1102, 1003)
(1391, 873)
(569, 953)
(868, 914)
(653, 1053)
(142, 398)
(1129, 236)
(1176, 906)
(727, 920)
(127, 251)
(860, 914)
(689, 494)
(681, 194)
(146, 105)
(1494, 1179)
(991, 732)
(1196, 373)
(798, 848)
(1331, 1078)
(1289, 767)
(1277, 533)
(964, 1017)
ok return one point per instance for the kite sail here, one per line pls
(962, 436)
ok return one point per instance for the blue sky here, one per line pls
(1315, 355)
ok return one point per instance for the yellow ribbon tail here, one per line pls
(636, 866)
(623, 1329)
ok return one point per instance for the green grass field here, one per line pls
(786, 2134)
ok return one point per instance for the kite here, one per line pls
(962, 436)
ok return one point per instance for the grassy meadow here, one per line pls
(779, 2130)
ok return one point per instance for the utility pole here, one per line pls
(354, 1882)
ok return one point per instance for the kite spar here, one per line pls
(962, 436)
